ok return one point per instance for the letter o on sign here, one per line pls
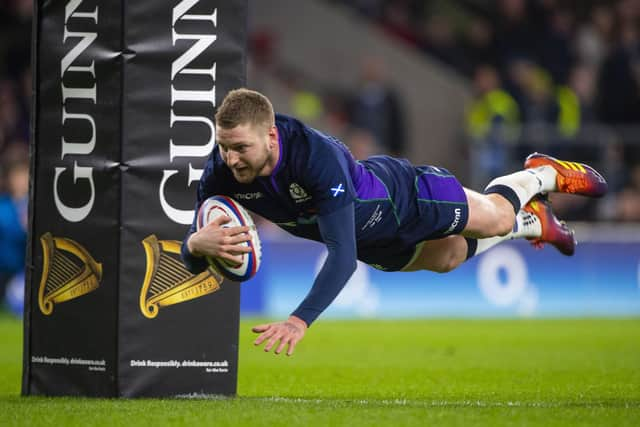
(499, 292)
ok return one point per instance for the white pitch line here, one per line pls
(417, 403)
(445, 403)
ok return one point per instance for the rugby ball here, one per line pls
(216, 206)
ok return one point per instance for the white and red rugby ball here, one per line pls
(216, 206)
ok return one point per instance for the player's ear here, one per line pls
(273, 135)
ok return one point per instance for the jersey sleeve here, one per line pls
(327, 173)
(338, 232)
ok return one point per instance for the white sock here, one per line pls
(547, 176)
(527, 183)
(527, 226)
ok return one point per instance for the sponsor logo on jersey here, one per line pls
(455, 222)
(248, 196)
(374, 219)
(298, 194)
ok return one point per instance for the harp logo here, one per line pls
(167, 281)
(68, 272)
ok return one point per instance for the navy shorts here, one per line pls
(441, 210)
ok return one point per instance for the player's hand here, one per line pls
(289, 332)
(218, 241)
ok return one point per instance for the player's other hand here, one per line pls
(289, 332)
(218, 241)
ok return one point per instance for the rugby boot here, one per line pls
(573, 177)
(554, 231)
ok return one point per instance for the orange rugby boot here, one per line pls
(554, 231)
(573, 177)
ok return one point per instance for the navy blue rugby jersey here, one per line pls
(316, 174)
(386, 203)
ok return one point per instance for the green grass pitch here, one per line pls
(387, 373)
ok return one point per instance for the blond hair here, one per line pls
(242, 106)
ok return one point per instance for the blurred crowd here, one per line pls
(558, 76)
(15, 105)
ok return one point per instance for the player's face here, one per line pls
(249, 150)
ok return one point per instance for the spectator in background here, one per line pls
(303, 102)
(493, 125)
(577, 113)
(376, 108)
(13, 212)
(516, 72)
(493, 111)
(537, 102)
(582, 81)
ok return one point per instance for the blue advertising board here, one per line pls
(510, 280)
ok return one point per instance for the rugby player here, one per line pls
(383, 211)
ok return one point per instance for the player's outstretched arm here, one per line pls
(337, 231)
(287, 333)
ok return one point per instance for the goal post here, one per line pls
(124, 97)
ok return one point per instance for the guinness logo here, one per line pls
(193, 106)
(68, 272)
(167, 281)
